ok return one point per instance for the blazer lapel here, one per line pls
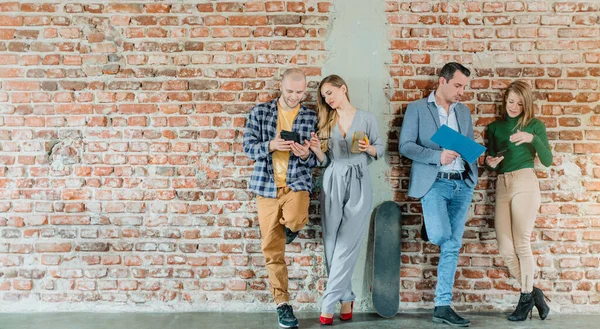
(460, 119)
(434, 113)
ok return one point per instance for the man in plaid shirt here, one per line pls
(281, 179)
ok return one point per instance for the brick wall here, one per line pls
(122, 175)
(556, 47)
(123, 181)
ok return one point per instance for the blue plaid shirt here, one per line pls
(260, 130)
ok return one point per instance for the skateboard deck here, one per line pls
(386, 259)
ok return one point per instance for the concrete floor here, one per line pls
(269, 320)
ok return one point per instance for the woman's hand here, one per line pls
(315, 147)
(521, 137)
(315, 143)
(493, 161)
(363, 146)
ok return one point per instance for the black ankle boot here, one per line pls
(524, 307)
(540, 302)
(445, 314)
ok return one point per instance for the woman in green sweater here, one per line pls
(514, 142)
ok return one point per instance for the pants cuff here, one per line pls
(281, 300)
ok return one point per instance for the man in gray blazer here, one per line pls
(442, 179)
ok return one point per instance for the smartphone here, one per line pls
(290, 136)
(356, 137)
(500, 153)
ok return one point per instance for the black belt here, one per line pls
(451, 175)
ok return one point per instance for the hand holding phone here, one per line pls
(290, 136)
(493, 161)
(280, 144)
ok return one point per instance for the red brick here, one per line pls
(274, 6)
(404, 44)
(52, 247)
(230, 7)
(247, 20)
(297, 7)
(205, 7)
(127, 285)
(11, 21)
(323, 7)
(137, 109)
(571, 275)
(472, 273)
(283, 45)
(515, 6)
(20, 284)
(157, 8)
(591, 235)
(124, 8)
(590, 262)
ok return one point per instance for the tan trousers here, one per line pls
(289, 209)
(517, 202)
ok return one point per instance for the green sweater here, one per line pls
(522, 156)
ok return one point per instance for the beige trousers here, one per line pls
(289, 209)
(517, 202)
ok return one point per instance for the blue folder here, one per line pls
(450, 139)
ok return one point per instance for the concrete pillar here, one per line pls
(358, 50)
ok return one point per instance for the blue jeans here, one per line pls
(445, 208)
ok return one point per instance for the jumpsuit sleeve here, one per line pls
(374, 137)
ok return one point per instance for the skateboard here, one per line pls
(386, 259)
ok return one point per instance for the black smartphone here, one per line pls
(500, 153)
(290, 136)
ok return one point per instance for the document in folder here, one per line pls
(450, 139)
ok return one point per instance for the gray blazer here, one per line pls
(420, 122)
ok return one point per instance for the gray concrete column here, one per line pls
(358, 51)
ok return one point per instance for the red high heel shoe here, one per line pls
(326, 321)
(347, 316)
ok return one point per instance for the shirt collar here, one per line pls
(431, 99)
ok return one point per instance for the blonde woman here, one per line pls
(346, 194)
(514, 142)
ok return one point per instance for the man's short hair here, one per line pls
(293, 73)
(449, 69)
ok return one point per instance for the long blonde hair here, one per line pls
(328, 116)
(523, 90)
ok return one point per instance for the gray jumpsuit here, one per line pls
(346, 198)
